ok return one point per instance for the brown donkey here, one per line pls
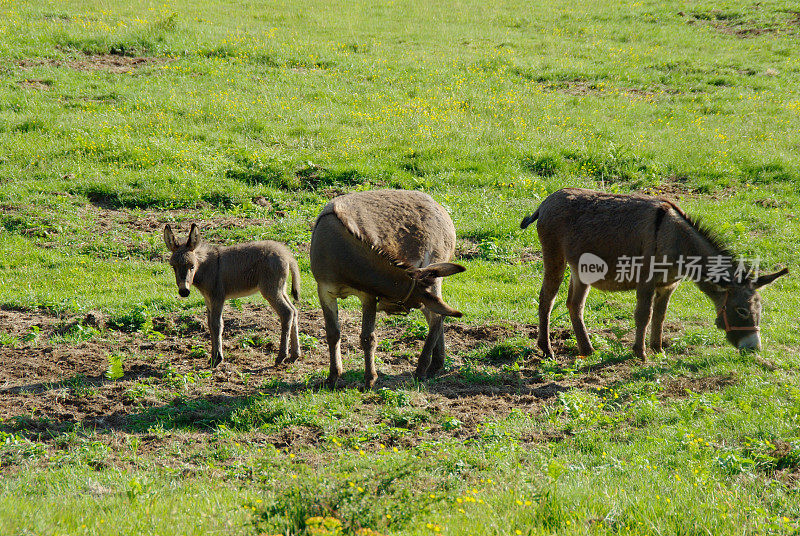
(636, 242)
(221, 272)
(389, 248)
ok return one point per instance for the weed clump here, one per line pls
(136, 319)
(510, 351)
(543, 165)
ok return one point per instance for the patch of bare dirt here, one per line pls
(154, 221)
(675, 187)
(32, 83)
(36, 62)
(112, 63)
(683, 386)
(581, 87)
(741, 26)
(771, 202)
(672, 189)
(49, 385)
(109, 221)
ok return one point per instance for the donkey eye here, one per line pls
(741, 311)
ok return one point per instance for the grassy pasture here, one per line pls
(116, 118)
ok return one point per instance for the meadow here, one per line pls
(247, 117)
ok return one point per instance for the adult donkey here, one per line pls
(636, 242)
(390, 248)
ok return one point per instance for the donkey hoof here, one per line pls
(369, 383)
(433, 372)
(545, 347)
(331, 382)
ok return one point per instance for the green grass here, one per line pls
(248, 117)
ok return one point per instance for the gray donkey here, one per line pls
(390, 248)
(235, 271)
(651, 245)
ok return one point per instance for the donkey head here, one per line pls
(421, 292)
(739, 310)
(183, 260)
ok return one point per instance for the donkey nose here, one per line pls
(750, 342)
(184, 292)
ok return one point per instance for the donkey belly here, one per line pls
(613, 286)
(240, 292)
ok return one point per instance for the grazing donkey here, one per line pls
(221, 272)
(390, 248)
(651, 245)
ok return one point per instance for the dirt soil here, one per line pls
(112, 63)
(49, 386)
(579, 87)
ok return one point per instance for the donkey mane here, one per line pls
(696, 223)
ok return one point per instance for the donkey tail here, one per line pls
(295, 280)
(529, 219)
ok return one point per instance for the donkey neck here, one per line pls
(694, 243)
(716, 264)
(207, 267)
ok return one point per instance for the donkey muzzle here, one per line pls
(183, 292)
(749, 343)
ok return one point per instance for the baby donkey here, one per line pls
(221, 272)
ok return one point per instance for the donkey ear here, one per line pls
(769, 278)
(169, 238)
(436, 305)
(194, 238)
(427, 275)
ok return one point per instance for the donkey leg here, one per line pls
(330, 311)
(576, 298)
(435, 361)
(660, 304)
(553, 276)
(369, 307)
(424, 367)
(295, 352)
(215, 326)
(438, 353)
(283, 307)
(644, 309)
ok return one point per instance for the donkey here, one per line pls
(390, 248)
(651, 245)
(235, 271)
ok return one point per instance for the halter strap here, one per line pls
(408, 294)
(402, 302)
(724, 312)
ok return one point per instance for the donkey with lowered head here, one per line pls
(636, 242)
(221, 272)
(391, 249)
